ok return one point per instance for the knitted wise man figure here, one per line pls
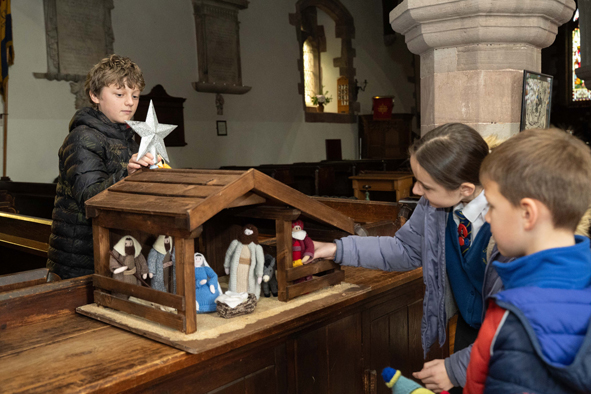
(245, 262)
(127, 262)
(302, 247)
(161, 264)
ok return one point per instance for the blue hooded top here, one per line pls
(544, 344)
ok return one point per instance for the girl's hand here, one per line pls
(434, 376)
(135, 164)
(325, 250)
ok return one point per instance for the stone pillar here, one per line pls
(473, 53)
(584, 72)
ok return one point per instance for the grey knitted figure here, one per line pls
(161, 264)
(269, 278)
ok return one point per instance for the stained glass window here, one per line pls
(579, 91)
(311, 70)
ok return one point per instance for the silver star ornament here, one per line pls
(153, 134)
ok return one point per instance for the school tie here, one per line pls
(464, 232)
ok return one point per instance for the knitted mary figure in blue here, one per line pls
(207, 287)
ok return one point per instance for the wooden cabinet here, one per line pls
(385, 139)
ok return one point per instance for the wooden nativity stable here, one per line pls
(198, 207)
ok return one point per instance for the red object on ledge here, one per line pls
(382, 107)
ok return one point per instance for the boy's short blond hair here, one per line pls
(113, 70)
(550, 166)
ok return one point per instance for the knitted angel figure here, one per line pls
(401, 385)
(207, 287)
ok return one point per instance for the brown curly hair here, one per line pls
(113, 70)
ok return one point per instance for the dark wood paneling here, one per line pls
(311, 362)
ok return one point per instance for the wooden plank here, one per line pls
(185, 282)
(194, 171)
(185, 177)
(151, 205)
(174, 225)
(221, 200)
(284, 256)
(43, 302)
(362, 211)
(314, 284)
(169, 190)
(145, 293)
(23, 279)
(270, 188)
(25, 244)
(102, 249)
(36, 229)
(247, 199)
(310, 269)
(41, 334)
(270, 212)
(165, 318)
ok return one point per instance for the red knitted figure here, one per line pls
(302, 246)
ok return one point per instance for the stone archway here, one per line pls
(303, 19)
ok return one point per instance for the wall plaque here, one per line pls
(218, 46)
(78, 34)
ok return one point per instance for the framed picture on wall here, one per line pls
(536, 100)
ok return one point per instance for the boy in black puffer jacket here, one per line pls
(98, 152)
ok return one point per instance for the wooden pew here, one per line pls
(23, 242)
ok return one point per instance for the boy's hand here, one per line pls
(434, 376)
(325, 250)
(135, 164)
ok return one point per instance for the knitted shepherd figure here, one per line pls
(245, 262)
(401, 385)
(127, 263)
(207, 287)
(270, 284)
(302, 247)
(161, 263)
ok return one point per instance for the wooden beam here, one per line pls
(20, 280)
(213, 204)
(102, 249)
(145, 293)
(310, 269)
(165, 318)
(270, 188)
(298, 289)
(247, 199)
(284, 256)
(268, 212)
(185, 281)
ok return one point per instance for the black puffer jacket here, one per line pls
(93, 157)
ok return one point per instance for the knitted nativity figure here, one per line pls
(302, 247)
(401, 385)
(161, 263)
(127, 262)
(245, 262)
(207, 287)
(270, 284)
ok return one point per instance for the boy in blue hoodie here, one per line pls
(535, 337)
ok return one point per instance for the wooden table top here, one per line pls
(383, 175)
(56, 350)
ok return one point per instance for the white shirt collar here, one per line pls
(475, 208)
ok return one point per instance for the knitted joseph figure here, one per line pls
(161, 263)
(126, 261)
(207, 288)
(401, 385)
(245, 262)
